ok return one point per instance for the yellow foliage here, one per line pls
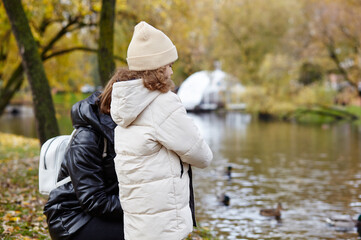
(7, 140)
(97, 6)
(14, 219)
(282, 108)
(121, 4)
(257, 99)
(314, 95)
(248, 31)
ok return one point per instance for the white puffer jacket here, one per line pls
(155, 141)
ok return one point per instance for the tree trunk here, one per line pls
(106, 63)
(47, 125)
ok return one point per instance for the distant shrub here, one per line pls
(314, 95)
(256, 99)
(310, 73)
(259, 101)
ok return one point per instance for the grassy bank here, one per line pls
(315, 115)
(21, 205)
(321, 114)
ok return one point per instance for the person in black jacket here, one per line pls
(88, 207)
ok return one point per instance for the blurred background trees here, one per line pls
(289, 53)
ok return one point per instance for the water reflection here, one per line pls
(18, 124)
(314, 171)
(216, 127)
(24, 123)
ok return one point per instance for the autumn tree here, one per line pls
(47, 126)
(60, 29)
(248, 31)
(13, 80)
(334, 29)
(106, 62)
(50, 25)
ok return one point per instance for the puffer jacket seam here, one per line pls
(193, 146)
(160, 124)
(152, 181)
(130, 213)
(169, 115)
(154, 212)
(175, 201)
(137, 155)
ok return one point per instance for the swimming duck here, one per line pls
(228, 172)
(224, 200)
(273, 212)
(358, 225)
(344, 224)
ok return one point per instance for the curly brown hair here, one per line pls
(152, 79)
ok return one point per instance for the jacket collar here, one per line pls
(86, 113)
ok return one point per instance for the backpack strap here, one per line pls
(67, 179)
(64, 181)
(72, 135)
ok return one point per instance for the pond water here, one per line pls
(313, 170)
(24, 123)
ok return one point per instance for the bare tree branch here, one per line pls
(355, 40)
(65, 51)
(330, 46)
(61, 33)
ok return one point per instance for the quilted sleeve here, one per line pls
(177, 132)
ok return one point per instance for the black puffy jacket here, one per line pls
(93, 190)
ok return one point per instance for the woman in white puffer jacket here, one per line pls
(155, 141)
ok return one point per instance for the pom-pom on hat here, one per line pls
(149, 48)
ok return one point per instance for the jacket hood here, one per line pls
(129, 99)
(86, 113)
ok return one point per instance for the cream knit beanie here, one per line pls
(149, 49)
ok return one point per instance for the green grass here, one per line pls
(68, 99)
(314, 118)
(63, 104)
(356, 110)
(319, 114)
